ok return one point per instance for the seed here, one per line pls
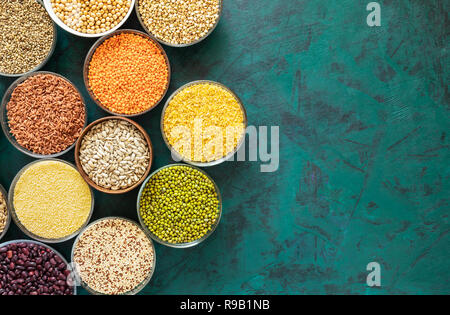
(128, 74)
(51, 199)
(90, 16)
(45, 114)
(208, 112)
(179, 204)
(179, 22)
(114, 256)
(3, 212)
(26, 35)
(104, 170)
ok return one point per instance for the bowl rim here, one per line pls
(47, 58)
(4, 194)
(16, 218)
(179, 245)
(90, 54)
(74, 287)
(140, 286)
(88, 179)
(4, 115)
(175, 153)
(144, 26)
(48, 6)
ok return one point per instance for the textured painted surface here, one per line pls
(364, 139)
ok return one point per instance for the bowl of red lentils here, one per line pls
(114, 256)
(127, 73)
(203, 123)
(50, 201)
(5, 217)
(28, 37)
(179, 23)
(89, 18)
(42, 114)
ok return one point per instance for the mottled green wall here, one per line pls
(364, 144)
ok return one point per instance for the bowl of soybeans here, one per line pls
(89, 18)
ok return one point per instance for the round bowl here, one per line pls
(91, 52)
(22, 227)
(50, 53)
(46, 246)
(178, 45)
(178, 156)
(88, 179)
(4, 116)
(48, 6)
(8, 212)
(180, 245)
(142, 284)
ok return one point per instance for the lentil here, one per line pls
(114, 154)
(179, 204)
(31, 269)
(3, 213)
(207, 112)
(128, 74)
(179, 22)
(114, 256)
(51, 199)
(26, 35)
(45, 114)
(91, 16)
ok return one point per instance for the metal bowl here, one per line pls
(48, 6)
(22, 227)
(180, 245)
(144, 26)
(86, 176)
(8, 212)
(4, 116)
(142, 284)
(50, 53)
(44, 245)
(91, 52)
(178, 156)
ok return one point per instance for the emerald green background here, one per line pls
(364, 150)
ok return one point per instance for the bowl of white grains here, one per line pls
(114, 155)
(179, 23)
(27, 37)
(89, 18)
(114, 256)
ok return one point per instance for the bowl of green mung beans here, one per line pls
(28, 37)
(179, 205)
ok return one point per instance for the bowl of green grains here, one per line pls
(179, 205)
(28, 37)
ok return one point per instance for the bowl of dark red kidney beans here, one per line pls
(33, 268)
